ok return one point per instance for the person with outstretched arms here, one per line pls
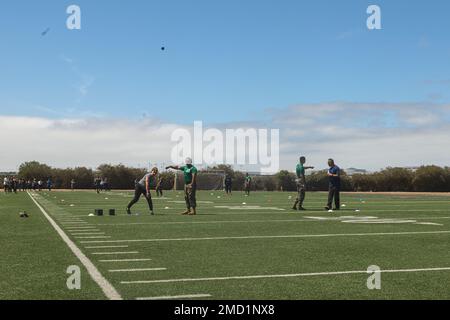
(301, 184)
(190, 186)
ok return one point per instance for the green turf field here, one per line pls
(236, 247)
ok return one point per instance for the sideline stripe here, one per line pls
(275, 237)
(293, 275)
(110, 292)
(187, 296)
(138, 270)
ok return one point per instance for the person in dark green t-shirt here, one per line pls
(301, 184)
(190, 186)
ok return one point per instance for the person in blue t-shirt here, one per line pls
(334, 185)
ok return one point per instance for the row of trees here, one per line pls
(424, 179)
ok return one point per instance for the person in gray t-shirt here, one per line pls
(143, 188)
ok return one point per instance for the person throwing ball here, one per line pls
(143, 188)
(190, 186)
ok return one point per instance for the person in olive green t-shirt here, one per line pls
(247, 184)
(301, 184)
(190, 186)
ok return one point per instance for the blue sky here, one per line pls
(309, 68)
(224, 60)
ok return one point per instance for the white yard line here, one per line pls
(429, 224)
(125, 260)
(250, 221)
(292, 275)
(274, 237)
(66, 224)
(138, 270)
(187, 296)
(87, 233)
(110, 292)
(106, 247)
(205, 222)
(115, 253)
(82, 227)
(92, 237)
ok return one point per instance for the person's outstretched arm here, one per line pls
(173, 167)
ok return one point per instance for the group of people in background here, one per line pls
(101, 184)
(13, 184)
(228, 184)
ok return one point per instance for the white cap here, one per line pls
(188, 161)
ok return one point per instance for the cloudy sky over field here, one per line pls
(108, 93)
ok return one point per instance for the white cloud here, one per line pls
(84, 142)
(368, 136)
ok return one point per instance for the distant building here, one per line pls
(413, 169)
(8, 174)
(352, 171)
